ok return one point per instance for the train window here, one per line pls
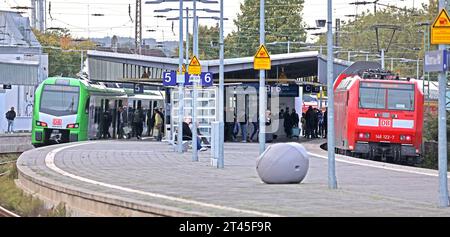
(400, 99)
(372, 98)
(60, 100)
(86, 108)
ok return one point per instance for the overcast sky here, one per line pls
(73, 14)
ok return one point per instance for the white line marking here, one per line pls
(50, 163)
(377, 166)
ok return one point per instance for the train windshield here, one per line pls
(60, 100)
(372, 98)
(386, 96)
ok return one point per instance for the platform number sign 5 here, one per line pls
(167, 78)
(385, 123)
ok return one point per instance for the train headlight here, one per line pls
(406, 138)
(73, 125)
(364, 135)
(41, 124)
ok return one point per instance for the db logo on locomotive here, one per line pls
(385, 123)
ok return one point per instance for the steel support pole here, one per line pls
(262, 84)
(194, 89)
(33, 14)
(221, 159)
(195, 32)
(382, 58)
(180, 85)
(417, 70)
(332, 183)
(289, 46)
(81, 64)
(443, 186)
(187, 38)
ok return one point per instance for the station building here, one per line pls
(22, 67)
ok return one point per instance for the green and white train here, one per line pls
(69, 109)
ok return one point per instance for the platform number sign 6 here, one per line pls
(208, 78)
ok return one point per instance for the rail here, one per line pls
(5, 163)
(6, 213)
(3, 211)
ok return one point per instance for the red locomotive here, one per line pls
(377, 114)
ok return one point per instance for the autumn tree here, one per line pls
(408, 41)
(64, 51)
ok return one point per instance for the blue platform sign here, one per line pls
(170, 79)
(138, 89)
(436, 61)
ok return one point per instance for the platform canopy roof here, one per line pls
(108, 66)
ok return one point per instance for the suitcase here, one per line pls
(296, 132)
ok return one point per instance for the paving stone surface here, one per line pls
(365, 188)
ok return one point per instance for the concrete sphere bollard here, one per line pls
(283, 163)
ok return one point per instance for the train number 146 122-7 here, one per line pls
(385, 137)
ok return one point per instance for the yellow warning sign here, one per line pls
(184, 69)
(262, 59)
(440, 30)
(194, 67)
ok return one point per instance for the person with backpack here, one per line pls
(10, 116)
(138, 120)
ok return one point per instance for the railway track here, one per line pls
(6, 213)
(378, 159)
(3, 211)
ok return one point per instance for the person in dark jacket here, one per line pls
(10, 116)
(325, 123)
(106, 123)
(187, 133)
(310, 122)
(295, 119)
(122, 122)
(138, 120)
(150, 122)
(287, 123)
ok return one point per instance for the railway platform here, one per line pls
(15, 143)
(143, 178)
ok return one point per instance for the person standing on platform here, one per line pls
(158, 125)
(10, 116)
(287, 123)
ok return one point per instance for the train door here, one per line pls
(94, 106)
(96, 111)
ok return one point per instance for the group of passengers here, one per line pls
(134, 119)
(240, 125)
(314, 123)
(290, 123)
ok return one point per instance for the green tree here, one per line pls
(283, 22)
(408, 42)
(64, 53)
(208, 42)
